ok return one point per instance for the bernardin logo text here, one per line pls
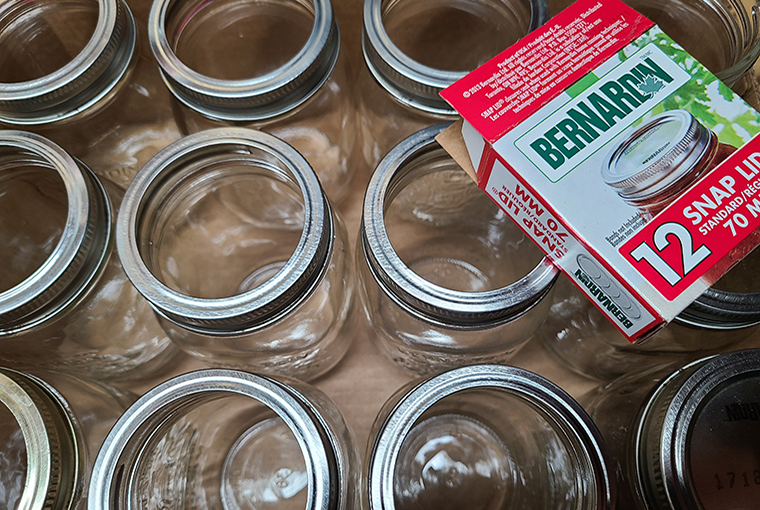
(603, 299)
(572, 133)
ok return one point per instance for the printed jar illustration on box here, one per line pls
(661, 158)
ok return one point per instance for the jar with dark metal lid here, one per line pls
(228, 234)
(725, 317)
(446, 277)
(723, 35)
(74, 72)
(65, 302)
(231, 440)
(274, 66)
(51, 427)
(484, 437)
(685, 437)
(658, 160)
(414, 49)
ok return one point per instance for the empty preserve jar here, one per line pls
(51, 427)
(486, 437)
(65, 302)
(229, 235)
(273, 65)
(75, 73)
(227, 440)
(725, 317)
(446, 277)
(685, 437)
(413, 49)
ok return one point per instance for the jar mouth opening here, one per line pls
(116, 465)
(257, 98)
(51, 440)
(176, 178)
(420, 296)
(87, 79)
(557, 409)
(82, 246)
(410, 81)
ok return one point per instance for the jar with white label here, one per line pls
(684, 437)
(485, 437)
(231, 440)
(446, 277)
(65, 302)
(723, 35)
(80, 73)
(230, 237)
(658, 160)
(274, 66)
(413, 49)
(51, 427)
(725, 317)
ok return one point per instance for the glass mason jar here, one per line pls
(446, 277)
(271, 65)
(684, 437)
(65, 302)
(660, 159)
(486, 437)
(74, 72)
(51, 427)
(725, 317)
(231, 440)
(229, 235)
(416, 48)
(721, 34)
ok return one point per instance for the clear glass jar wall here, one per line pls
(229, 235)
(684, 437)
(486, 437)
(231, 440)
(446, 277)
(272, 65)
(80, 73)
(65, 302)
(725, 317)
(51, 427)
(413, 49)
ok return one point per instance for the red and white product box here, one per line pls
(576, 130)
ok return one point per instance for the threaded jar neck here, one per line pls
(83, 83)
(170, 185)
(265, 96)
(84, 246)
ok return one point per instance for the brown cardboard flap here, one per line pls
(451, 139)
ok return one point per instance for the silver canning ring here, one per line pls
(535, 390)
(253, 99)
(418, 296)
(81, 83)
(82, 250)
(111, 473)
(259, 306)
(408, 81)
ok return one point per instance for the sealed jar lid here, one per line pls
(698, 438)
(656, 155)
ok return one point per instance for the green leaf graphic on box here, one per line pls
(650, 86)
